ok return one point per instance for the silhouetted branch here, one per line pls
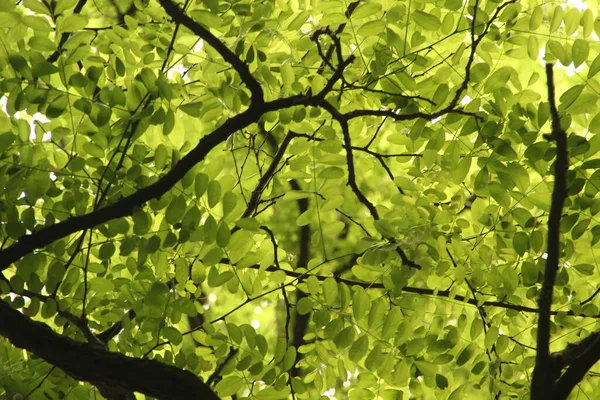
(541, 383)
(242, 69)
(65, 36)
(267, 176)
(97, 366)
(580, 357)
(216, 375)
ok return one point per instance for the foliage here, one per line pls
(298, 199)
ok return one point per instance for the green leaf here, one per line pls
(441, 381)
(359, 349)
(289, 359)
(206, 18)
(533, 48)
(536, 19)
(594, 67)
(332, 203)
(43, 68)
(173, 335)
(498, 79)
(211, 258)
(375, 358)
(101, 285)
(64, 5)
(476, 329)
(519, 175)
(585, 269)
(223, 234)
(141, 222)
(19, 63)
(405, 183)
(72, 23)
(229, 385)
(6, 140)
(569, 97)
(161, 155)
(580, 229)
(169, 122)
(298, 21)
(372, 28)
(462, 169)
(581, 50)
(555, 48)
(360, 303)
(213, 193)
(306, 217)
(571, 20)
(37, 185)
(193, 109)
(366, 10)
(330, 291)
(249, 224)
(557, 18)
(106, 251)
(331, 173)
(345, 337)
(304, 306)
(210, 230)
(464, 356)
(176, 210)
(200, 184)
(426, 21)
(229, 203)
(521, 243)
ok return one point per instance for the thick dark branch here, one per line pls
(98, 366)
(581, 356)
(126, 206)
(568, 355)
(242, 69)
(541, 383)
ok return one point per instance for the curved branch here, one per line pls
(126, 206)
(257, 95)
(97, 366)
(588, 353)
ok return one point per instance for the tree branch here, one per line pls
(267, 176)
(126, 206)
(98, 366)
(257, 95)
(581, 356)
(541, 383)
(416, 290)
(65, 36)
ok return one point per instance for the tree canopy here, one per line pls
(299, 199)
